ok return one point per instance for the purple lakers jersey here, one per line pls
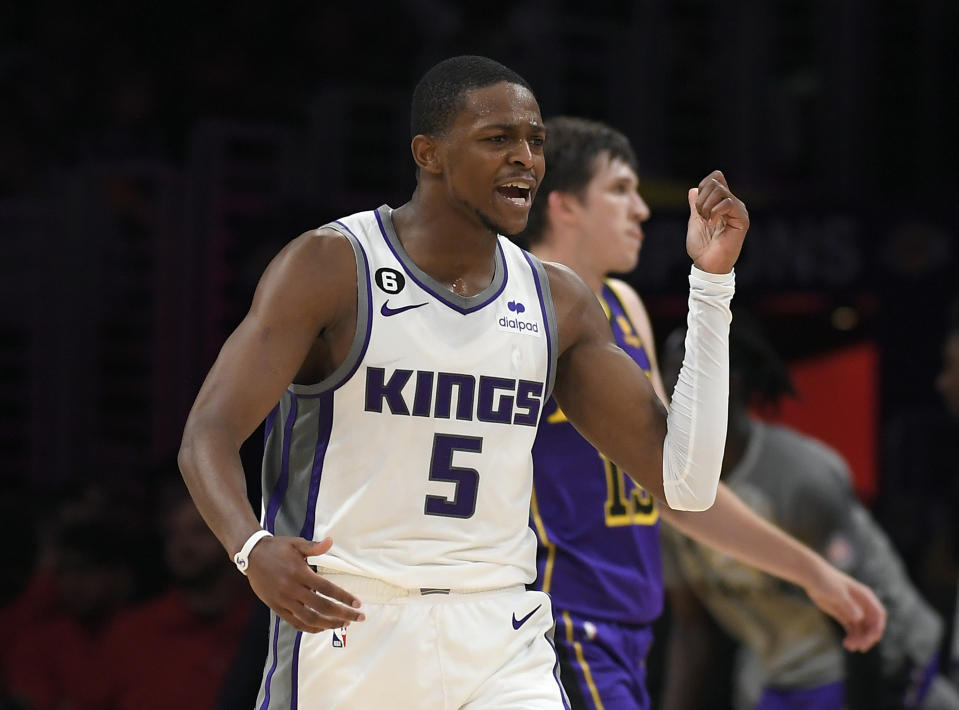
(597, 531)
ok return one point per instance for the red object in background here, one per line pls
(838, 404)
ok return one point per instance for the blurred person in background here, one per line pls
(24, 598)
(803, 487)
(56, 662)
(598, 532)
(174, 651)
(947, 383)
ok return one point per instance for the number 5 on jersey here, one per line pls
(466, 480)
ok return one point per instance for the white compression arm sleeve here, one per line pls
(698, 411)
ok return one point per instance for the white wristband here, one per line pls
(242, 558)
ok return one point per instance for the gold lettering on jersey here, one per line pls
(557, 417)
(636, 508)
(629, 333)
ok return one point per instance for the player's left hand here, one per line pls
(853, 605)
(718, 221)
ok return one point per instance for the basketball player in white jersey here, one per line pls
(401, 359)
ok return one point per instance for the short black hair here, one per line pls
(763, 374)
(573, 148)
(438, 96)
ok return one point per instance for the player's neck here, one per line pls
(457, 252)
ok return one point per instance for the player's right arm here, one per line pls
(609, 399)
(302, 317)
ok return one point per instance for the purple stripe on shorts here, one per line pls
(557, 673)
(325, 426)
(294, 669)
(276, 498)
(269, 675)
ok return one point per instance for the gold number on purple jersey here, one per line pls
(626, 502)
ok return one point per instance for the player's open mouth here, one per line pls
(519, 193)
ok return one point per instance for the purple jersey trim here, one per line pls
(269, 676)
(439, 295)
(270, 421)
(276, 497)
(325, 426)
(546, 327)
(618, 310)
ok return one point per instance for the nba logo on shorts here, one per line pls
(339, 641)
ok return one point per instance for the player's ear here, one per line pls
(563, 206)
(425, 153)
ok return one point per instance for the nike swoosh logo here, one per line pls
(519, 622)
(387, 311)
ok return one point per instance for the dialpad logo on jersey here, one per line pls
(514, 321)
(453, 395)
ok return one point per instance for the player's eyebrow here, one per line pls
(533, 125)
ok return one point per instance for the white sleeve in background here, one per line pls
(699, 408)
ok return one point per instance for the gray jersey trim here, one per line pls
(463, 304)
(276, 687)
(361, 338)
(549, 314)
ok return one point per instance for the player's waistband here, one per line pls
(369, 589)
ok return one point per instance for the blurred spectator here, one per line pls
(947, 570)
(917, 265)
(24, 596)
(805, 488)
(56, 662)
(174, 651)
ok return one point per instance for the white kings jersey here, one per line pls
(414, 455)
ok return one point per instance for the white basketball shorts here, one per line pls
(422, 650)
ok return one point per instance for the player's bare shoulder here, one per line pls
(313, 276)
(318, 252)
(308, 294)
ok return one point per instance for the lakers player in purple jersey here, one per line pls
(598, 531)
(401, 358)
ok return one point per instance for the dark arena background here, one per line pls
(155, 156)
